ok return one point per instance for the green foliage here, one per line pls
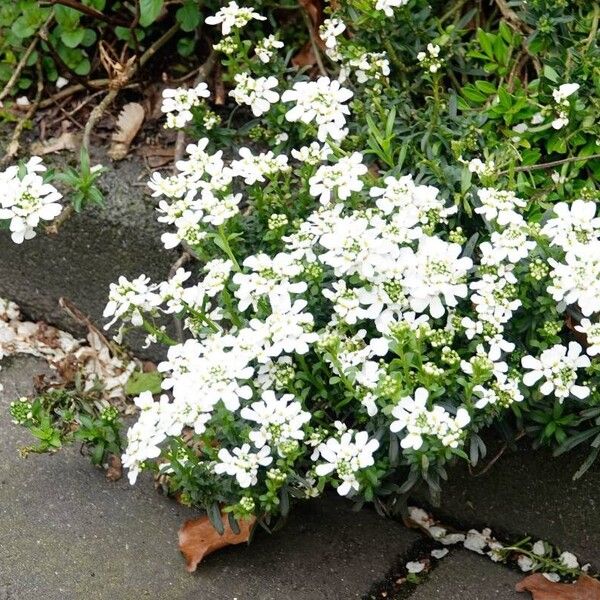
(82, 182)
(140, 382)
(61, 416)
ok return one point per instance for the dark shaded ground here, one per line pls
(530, 493)
(68, 534)
(463, 575)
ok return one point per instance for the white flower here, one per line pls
(347, 457)
(313, 154)
(253, 168)
(256, 93)
(569, 560)
(267, 275)
(215, 374)
(329, 32)
(439, 553)
(512, 242)
(592, 332)
(539, 548)
(321, 101)
(26, 200)
(232, 17)
(415, 566)
(558, 367)
(243, 464)
(564, 91)
(413, 416)
(128, 299)
(288, 328)
(353, 247)
(171, 187)
(338, 180)
(479, 167)
(574, 224)
(280, 419)
(525, 563)
(498, 205)
(387, 6)
(265, 47)
(178, 103)
(577, 279)
(436, 273)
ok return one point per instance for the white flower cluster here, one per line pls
(413, 417)
(265, 49)
(387, 6)
(322, 101)
(362, 302)
(178, 103)
(232, 16)
(257, 93)
(26, 199)
(430, 60)
(561, 98)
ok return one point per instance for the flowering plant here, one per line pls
(372, 293)
(343, 324)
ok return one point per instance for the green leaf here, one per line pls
(486, 41)
(84, 67)
(551, 74)
(188, 16)
(72, 39)
(67, 18)
(143, 382)
(185, 46)
(149, 11)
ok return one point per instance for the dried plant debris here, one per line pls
(66, 355)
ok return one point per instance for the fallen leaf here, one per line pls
(128, 124)
(198, 538)
(314, 10)
(114, 471)
(157, 156)
(585, 588)
(305, 57)
(66, 141)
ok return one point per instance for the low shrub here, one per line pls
(397, 253)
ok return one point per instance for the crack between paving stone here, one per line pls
(395, 585)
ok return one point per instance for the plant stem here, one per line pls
(227, 248)
(554, 163)
(13, 146)
(21, 64)
(90, 12)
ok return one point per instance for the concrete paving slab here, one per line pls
(90, 251)
(530, 492)
(68, 534)
(464, 575)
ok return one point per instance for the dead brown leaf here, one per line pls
(585, 588)
(305, 57)
(314, 10)
(128, 124)
(114, 471)
(198, 538)
(158, 156)
(66, 141)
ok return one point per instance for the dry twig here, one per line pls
(13, 146)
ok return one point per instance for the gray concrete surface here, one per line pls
(530, 492)
(91, 250)
(68, 534)
(463, 575)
